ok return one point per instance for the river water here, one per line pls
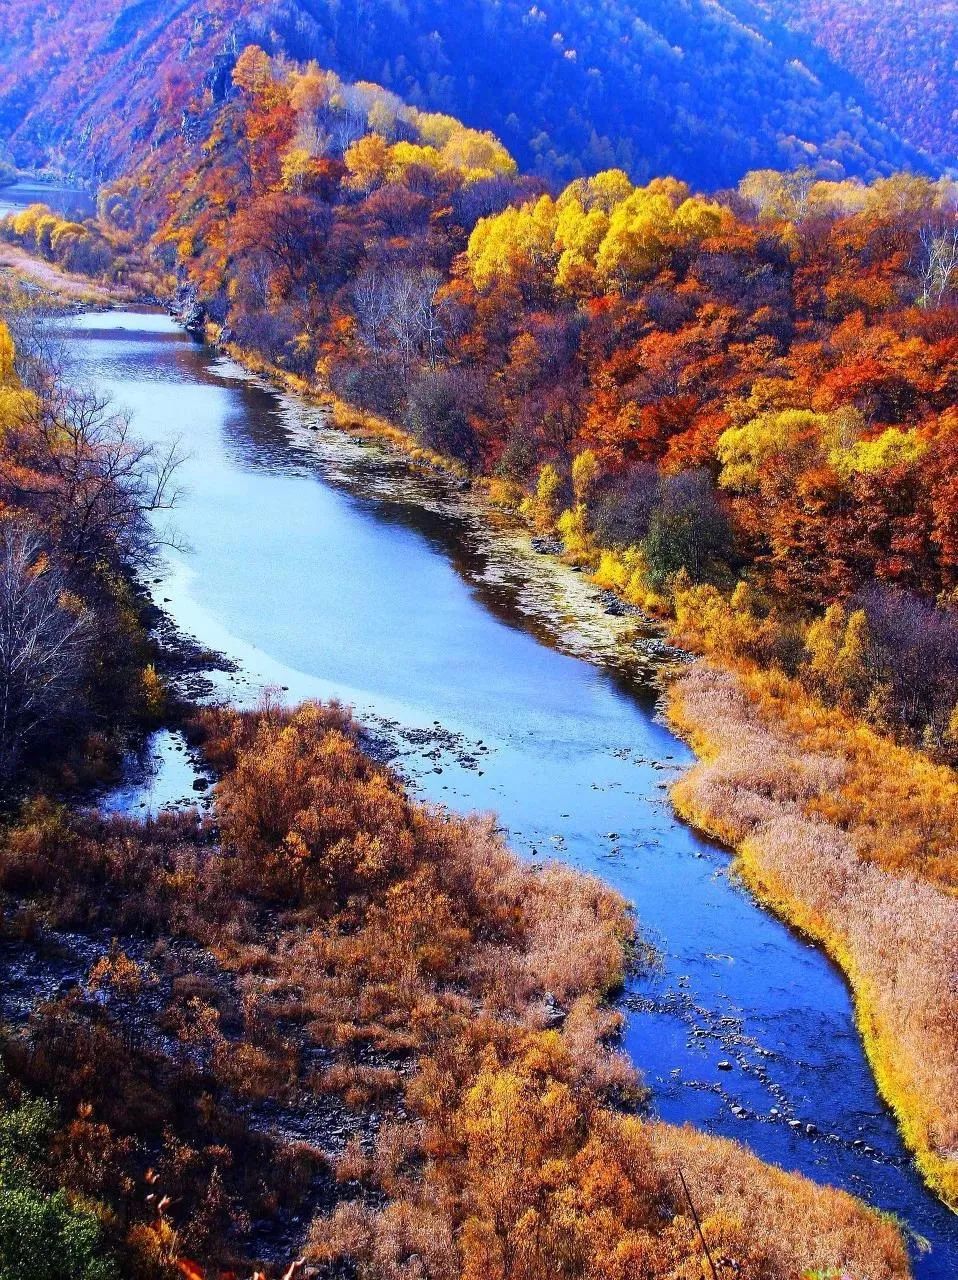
(66, 201)
(324, 569)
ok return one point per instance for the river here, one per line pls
(325, 569)
(68, 202)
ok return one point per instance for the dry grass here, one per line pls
(799, 1220)
(361, 422)
(614, 1207)
(24, 266)
(808, 807)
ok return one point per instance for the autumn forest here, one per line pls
(661, 306)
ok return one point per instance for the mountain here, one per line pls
(695, 88)
(906, 50)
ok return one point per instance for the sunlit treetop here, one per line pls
(602, 229)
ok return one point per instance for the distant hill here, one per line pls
(905, 50)
(696, 88)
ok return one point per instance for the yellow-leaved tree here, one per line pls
(788, 435)
(15, 400)
(8, 354)
(367, 162)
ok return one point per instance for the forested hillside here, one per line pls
(905, 50)
(698, 90)
(787, 353)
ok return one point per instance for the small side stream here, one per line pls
(322, 568)
(163, 776)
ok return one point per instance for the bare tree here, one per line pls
(404, 309)
(400, 314)
(43, 642)
(91, 484)
(937, 263)
(371, 304)
(430, 316)
(312, 137)
(81, 474)
(41, 353)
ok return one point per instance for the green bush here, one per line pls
(42, 1236)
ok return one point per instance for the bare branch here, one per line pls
(44, 638)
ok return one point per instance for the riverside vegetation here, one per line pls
(331, 1021)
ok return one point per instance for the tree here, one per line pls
(44, 637)
(542, 508)
(400, 314)
(42, 1236)
(438, 415)
(367, 161)
(688, 529)
(88, 482)
(8, 355)
(585, 469)
(776, 195)
(823, 643)
(290, 232)
(937, 264)
(792, 436)
(913, 653)
(253, 72)
(623, 506)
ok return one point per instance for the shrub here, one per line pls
(622, 508)
(438, 415)
(42, 1236)
(688, 529)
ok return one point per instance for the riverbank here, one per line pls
(804, 796)
(342, 415)
(35, 274)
